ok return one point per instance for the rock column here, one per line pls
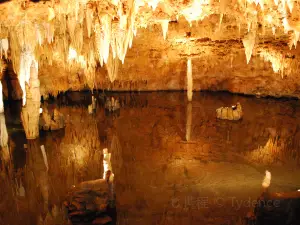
(31, 111)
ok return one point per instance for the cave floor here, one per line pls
(160, 177)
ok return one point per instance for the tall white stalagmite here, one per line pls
(1, 99)
(189, 74)
(189, 110)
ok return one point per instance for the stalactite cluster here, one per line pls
(91, 33)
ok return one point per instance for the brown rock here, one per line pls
(102, 220)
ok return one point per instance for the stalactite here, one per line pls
(24, 72)
(112, 67)
(249, 42)
(89, 20)
(4, 47)
(189, 75)
(164, 26)
(51, 13)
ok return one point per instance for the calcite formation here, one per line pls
(31, 110)
(237, 46)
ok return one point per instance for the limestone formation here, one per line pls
(31, 110)
(230, 113)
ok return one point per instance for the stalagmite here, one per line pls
(189, 75)
(31, 111)
(249, 42)
(189, 110)
(164, 26)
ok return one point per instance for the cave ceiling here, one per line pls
(89, 35)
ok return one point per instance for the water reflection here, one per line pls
(160, 175)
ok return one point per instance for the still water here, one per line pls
(173, 161)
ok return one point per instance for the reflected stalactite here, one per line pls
(80, 148)
(31, 111)
(189, 110)
(36, 177)
(116, 155)
(278, 150)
